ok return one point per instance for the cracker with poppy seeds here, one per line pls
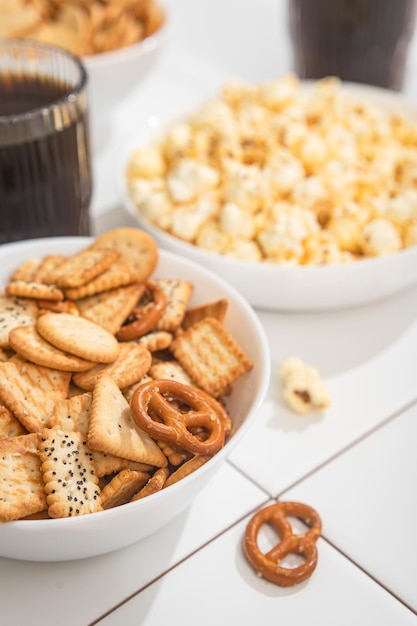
(178, 293)
(21, 485)
(27, 342)
(15, 312)
(137, 247)
(9, 425)
(112, 428)
(68, 474)
(215, 309)
(154, 484)
(82, 267)
(31, 391)
(36, 291)
(119, 274)
(132, 363)
(122, 487)
(210, 356)
(78, 336)
(109, 309)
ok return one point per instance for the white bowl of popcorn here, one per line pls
(42, 538)
(301, 194)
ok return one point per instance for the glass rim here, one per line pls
(68, 96)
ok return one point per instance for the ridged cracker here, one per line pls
(210, 356)
(31, 391)
(81, 268)
(21, 485)
(119, 274)
(27, 342)
(15, 312)
(78, 336)
(178, 293)
(36, 291)
(132, 363)
(122, 487)
(113, 430)
(67, 466)
(110, 309)
(137, 247)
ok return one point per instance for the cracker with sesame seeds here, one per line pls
(137, 247)
(81, 268)
(27, 342)
(36, 291)
(15, 312)
(112, 428)
(31, 391)
(178, 293)
(21, 485)
(215, 309)
(123, 487)
(9, 425)
(110, 309)
(210, 356)
(132, 363)
(68, 474)
(119, 274)
(78, 336)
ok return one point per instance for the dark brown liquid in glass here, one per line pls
(40, 196)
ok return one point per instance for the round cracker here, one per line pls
(137, 247)
(27, 342)
(77, 335)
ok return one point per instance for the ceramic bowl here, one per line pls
(99, 533)
(278, 287)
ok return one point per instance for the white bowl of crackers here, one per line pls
(301, 194)
(117, 41)
(127, 375)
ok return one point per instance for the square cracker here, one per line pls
(112, 428)
(31, 391)
(21, 485)
(15, 312)
(68, 473)
(210, 356)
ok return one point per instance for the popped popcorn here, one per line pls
(303, 389)
(344, 168)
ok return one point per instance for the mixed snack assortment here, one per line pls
(84, 27)
(279, 173)
(112, 386)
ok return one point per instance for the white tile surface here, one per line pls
(47, 592)
(368, 504)
(217, 586)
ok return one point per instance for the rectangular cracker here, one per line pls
(210, 356)
(113, 430)
(21, 485)
(178, 293)
(123, 487)
(31, 391)
(15, 312)
(84, 266)
(110, 308)
(68, 473)
(119, 274)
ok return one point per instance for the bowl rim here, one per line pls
(259, 397)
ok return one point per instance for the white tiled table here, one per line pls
(356, 463)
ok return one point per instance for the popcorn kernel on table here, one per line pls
(303, 389)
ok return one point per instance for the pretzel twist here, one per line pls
(145, 316)
(267, 564)
(170, 411)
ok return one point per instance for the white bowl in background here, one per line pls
(99, 533)
(286, 287)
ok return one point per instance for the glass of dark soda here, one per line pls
(363, 41)
(45, 160)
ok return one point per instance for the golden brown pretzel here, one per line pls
(169, 410)
(146, 316)
(267, 564)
